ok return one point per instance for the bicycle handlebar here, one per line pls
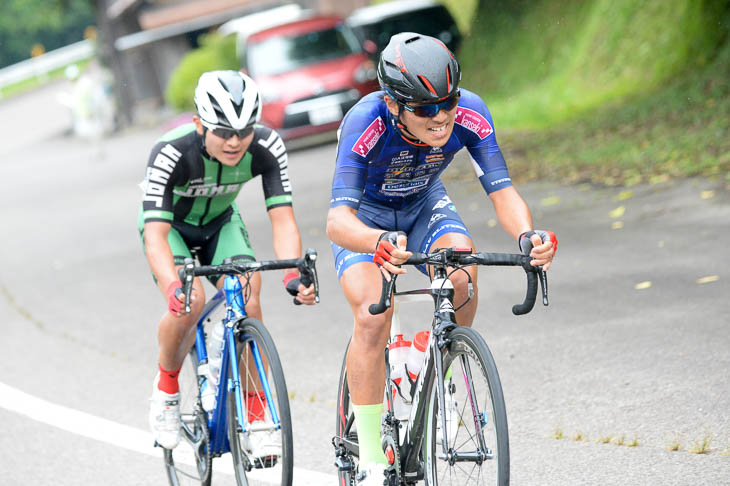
(306, 266)
(452, 257)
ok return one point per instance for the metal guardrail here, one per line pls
(45, 63)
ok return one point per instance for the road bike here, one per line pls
(469, 443)
(251, 383)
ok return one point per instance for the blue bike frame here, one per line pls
(217, 418)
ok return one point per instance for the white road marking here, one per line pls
(120, 435)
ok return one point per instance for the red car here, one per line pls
(310, 72)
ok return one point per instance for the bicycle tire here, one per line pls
(253, 330)
(345, 416)
(474, 369)
(195, 434)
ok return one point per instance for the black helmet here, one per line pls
(415, 67)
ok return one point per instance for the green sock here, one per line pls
(367, 421)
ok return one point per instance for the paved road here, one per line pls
(78, 313)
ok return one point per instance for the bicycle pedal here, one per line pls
(265, 462)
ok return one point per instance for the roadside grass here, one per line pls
(604, 92)
(701, 446)
(674, 446)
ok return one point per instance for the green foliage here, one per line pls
(612, 93)
(50, 23)
(542, 62)
(215, 52)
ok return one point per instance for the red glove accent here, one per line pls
(173, 303)
(289, 277)
(382, 252)
(526, 244)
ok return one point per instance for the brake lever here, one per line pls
(188, 281)
(542, 274)
(308, 272)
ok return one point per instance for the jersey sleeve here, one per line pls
(163, 174)
(270, 160)
(474, 118)
(359, 134)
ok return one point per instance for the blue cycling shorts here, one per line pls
(424, 221)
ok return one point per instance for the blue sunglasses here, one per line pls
(432, 109)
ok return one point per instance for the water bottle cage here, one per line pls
(411, 387)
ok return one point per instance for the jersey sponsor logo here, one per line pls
(403, 153)
(404, 188)
(500, 181)
(159, 174)
(435, 217)
(369, 138)
(442, 203)
(473, 121)
(209, 190)
(344, 199)
(276, 146)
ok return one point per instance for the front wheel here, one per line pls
(476, 436)
(267, 441)
(345, 440)
(190, 462)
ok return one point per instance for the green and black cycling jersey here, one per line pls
(184, 185)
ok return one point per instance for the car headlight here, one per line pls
(365, 72)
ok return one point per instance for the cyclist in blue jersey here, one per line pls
(388, 201)
(193, 176)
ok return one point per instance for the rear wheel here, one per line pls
(258, 411)
(476, 436)
(190, 462)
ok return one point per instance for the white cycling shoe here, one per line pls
(164, 416)
(452, 421)
(264, 446)
(372, 474)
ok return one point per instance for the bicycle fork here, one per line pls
(232, 287)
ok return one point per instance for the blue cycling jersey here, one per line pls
(374, 161)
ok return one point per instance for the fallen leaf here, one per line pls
(618, 212)
(617, 225)
(624, 195)
(642, 285)
(492, 222)
(550, 201)
(707, 194)
(708, 279)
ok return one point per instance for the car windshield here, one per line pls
(431, 22)
(277, 55)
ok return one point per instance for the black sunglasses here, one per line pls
(227, 133)
(432, 109)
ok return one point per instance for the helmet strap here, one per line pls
(405, 133)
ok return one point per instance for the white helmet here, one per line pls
(227, 99)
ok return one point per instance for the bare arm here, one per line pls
(344, 229)
(514, 216)
(288, 244)
(285, 233)
(512, 211)
(159, 254)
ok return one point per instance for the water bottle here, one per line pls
(207, 392)
(398, 351)
(215, 354)
(417, 354)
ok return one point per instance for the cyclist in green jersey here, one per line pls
(193, 176)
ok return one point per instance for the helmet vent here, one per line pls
(412, 39)
(424, 81)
